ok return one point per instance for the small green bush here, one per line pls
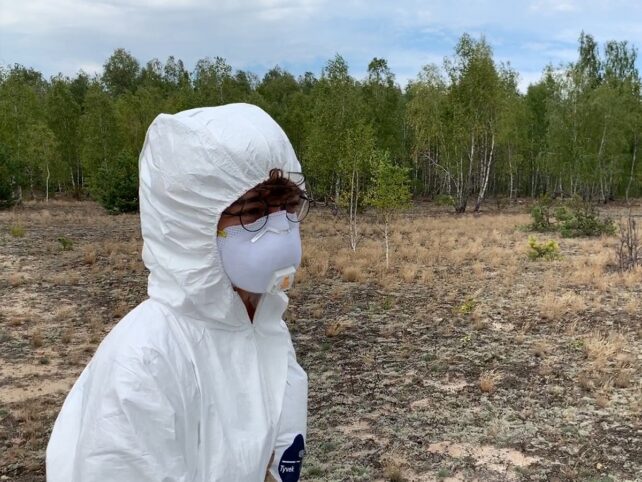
(444, 200)
(547, 250)
(577, 218)
(17, 231)
(66, 244)
(585, 221)
(468, 306)
(542, 216)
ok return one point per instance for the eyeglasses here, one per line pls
(253, 212)
(282, 192)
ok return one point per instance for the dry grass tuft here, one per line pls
(66, 278)
(121, 309)
(64, 313)
(602, 400)
(36, 339)
(408, 272)
(352, 274)
(335, 328)
(623, 379)
(633, 306)
(392, 471)
(66, 336)
(602, 349)
(553, 306)
(316, 312)
(89, 255)
(16, 279)
(541, 349)
(488, 381)
(316, 263)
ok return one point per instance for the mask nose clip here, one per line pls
(277, 223)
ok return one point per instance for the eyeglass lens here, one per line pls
(253, 214)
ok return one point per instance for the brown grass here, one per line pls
(352, 273)
(554, 306)
(121, 309)
(16, 279)
(89, 255)
(488, 381)
(64, 313)
(65, 278)
(601, 349)
(36, 339)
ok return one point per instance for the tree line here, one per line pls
(461, 131)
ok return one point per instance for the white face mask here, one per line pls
(263, 261)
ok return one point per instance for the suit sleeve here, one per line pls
(290, 443)
(132, 429)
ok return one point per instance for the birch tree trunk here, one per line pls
(628, 186)
(487, 166)
(47, 184)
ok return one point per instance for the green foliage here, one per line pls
(388, 303)
(389, 190)
(444, 200)
(542, 216)
(66, 244)
(547, 250)
(575, 219)
(17, 231)
(584, 220)
(116, 186)
(7, 180)
(463, 126)
(467, 306)
(121, 72)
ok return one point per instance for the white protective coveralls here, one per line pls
(186, 387)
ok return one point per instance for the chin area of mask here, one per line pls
(263, 261)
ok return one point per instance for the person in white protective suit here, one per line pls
(200, 381)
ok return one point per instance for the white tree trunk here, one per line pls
(631, 175)
(385, 236)
(47, 185)
(486, 172)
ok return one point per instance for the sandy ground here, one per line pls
(463, 360)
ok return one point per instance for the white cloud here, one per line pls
(66, 35)
(553, 6)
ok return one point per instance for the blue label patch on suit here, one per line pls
(290, 464)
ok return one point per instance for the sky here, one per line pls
(64, 36)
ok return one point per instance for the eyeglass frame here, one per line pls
(266, 212)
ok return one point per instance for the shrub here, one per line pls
(444, 200)
(584, 220)
(541, 215)
(548, 250)
(115, 185)
(577, 219)
(66, 244)
(8, 181)
(468, 306)
(629, 250)
(17, 231)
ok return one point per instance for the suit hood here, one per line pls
(193, 165)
